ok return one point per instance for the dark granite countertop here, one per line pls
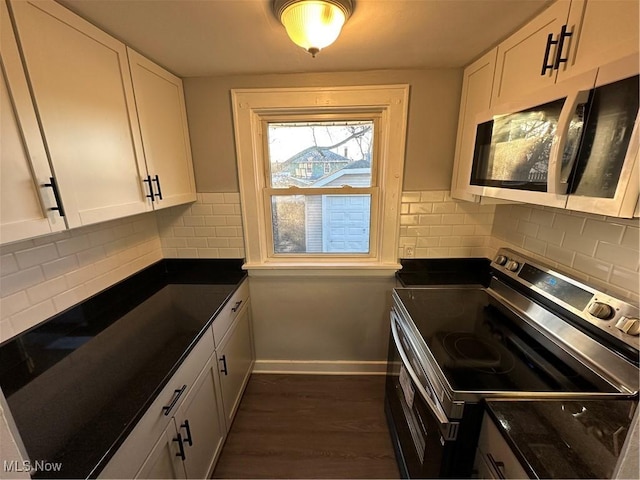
(78, 383)
(443, 271)
(565, 438)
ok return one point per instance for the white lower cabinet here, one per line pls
(494, 457)
(200, 426)
(164, 460)
(191, 443)
(235, 362)
(182, 433)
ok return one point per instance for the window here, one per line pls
(325, 207)
(320, 175)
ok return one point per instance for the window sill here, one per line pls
(342, 269)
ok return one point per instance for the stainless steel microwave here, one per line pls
(573, 145)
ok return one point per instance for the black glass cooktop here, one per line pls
(479, 349)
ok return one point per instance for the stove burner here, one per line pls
(463, 350)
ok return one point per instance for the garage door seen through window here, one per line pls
(321, 187)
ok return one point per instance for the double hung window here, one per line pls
(321, 192)
(320, 173)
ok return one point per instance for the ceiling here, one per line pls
(225, 37)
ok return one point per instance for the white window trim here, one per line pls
(250, 106)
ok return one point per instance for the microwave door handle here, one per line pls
(435, 408)
(554, 179)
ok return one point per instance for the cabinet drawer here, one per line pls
(135, 449)
(494, 457)
(229, 312)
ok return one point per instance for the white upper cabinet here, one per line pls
(26, 203)
(165, 136)
(476, 98)
(520, 59)
(84, 98)
(608, 30)
(567, 39)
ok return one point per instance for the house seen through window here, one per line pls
(321, 186)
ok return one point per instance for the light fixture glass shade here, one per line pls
(313, 24)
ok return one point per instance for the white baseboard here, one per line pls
(317, 367)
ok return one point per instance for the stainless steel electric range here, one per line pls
(533, 333)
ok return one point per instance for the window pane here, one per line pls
(320, 154)
(321, 223)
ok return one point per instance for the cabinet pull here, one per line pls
(223, 359)
(176, 395)
(559, 59)
(151, 195)
(237, 306)
(498, 467)
(545, 63)
(181, 447)
(185, 425)
(56, 194)
(157, 180)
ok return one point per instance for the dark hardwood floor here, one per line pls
(309, 426)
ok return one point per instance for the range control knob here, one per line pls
(501, 259)
(629, 325)
(512, 265)
(600, 310)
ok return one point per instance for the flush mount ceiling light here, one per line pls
(313, 24)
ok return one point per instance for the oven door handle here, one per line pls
(434, 406)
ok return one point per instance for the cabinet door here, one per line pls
(607, 30)
(24, 166)
(476, 98)
(200, 425)
(164, 461)
(235, 360)
(82, 90)
(520, 57)
(165, 136)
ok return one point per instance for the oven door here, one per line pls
(424, 438)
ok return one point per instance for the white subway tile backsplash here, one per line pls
(408, 219)
(8, 264)
(534, 245)
(209, 228)
(431, 219)
(528, 229)
(44, 276)
(435, 196)
(542, 217)
(603, 231)
(210, 198)
(602, 251)
(631, 237)
(35, 256)
(550, 235)
(410, 197)
(569, 223)
(453, 228)
(13, 304)
(560, 255)
(65, 268)
(224, 209)
(231, 197)
(420, 207)
(454, 219)
(20, 280)
(592, 266)
(617, 255)
(625, 279)
(579, 243)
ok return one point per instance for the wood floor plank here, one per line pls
(309, 426)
